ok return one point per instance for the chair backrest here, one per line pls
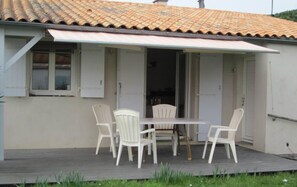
(102, 114)
(164, 111)
(128, 125)
(235, 121)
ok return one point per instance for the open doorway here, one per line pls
(165, 79)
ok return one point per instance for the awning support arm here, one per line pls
(22, 51)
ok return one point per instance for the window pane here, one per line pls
(40, 71)
(63, 71)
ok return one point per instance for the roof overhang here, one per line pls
(132, 40)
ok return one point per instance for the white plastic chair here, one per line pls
(131, 136)
(166, 111)
(230, 140)
(105, 126)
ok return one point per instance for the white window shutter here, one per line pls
(92, 71)
(15, 76)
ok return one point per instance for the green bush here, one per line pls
(289, 15)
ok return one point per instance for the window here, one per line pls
(52, 73)
(63, 71)
(40, 71)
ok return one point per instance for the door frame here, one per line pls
(246, 99)
(177, 82)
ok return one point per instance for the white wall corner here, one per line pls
(260, 97)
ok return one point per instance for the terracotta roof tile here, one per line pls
(99, 13)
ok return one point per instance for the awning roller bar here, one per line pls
(194, 44)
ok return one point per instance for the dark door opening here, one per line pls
(165, 79)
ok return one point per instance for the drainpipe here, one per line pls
(161, 2)
(2, 47)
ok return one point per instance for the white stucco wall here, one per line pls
(49, 122)
(260, 98)
(275, 93)
(282, 99)
(56, 122)
(229, 75)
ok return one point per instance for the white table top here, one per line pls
(177, 121)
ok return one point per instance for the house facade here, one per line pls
(59, 58)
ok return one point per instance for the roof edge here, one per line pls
(143, 32)
(119, 30)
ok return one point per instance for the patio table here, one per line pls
(176, 121)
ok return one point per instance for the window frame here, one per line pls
(52, 75)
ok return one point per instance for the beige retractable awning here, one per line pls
(188, 44)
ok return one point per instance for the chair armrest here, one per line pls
(225, 129)
(215, 127)
(147, 131)
(218, 129)
(102, 124)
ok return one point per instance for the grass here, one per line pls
(169, 177)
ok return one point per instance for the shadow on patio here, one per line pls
(28, 165)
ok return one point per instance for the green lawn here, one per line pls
(168, 177)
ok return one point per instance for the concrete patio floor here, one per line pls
(26, 166)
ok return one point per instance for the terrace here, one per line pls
(27, 166)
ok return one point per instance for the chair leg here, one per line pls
(117, 139)
(212, 151)
(174, 144)
(204, 150)
(233, 149)
(98, 143)
(140, 152)
(227, 150)
(130, 154)
(178, 142)
(155, 151)
(119, 153)
(149, 148)
(112, 145)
